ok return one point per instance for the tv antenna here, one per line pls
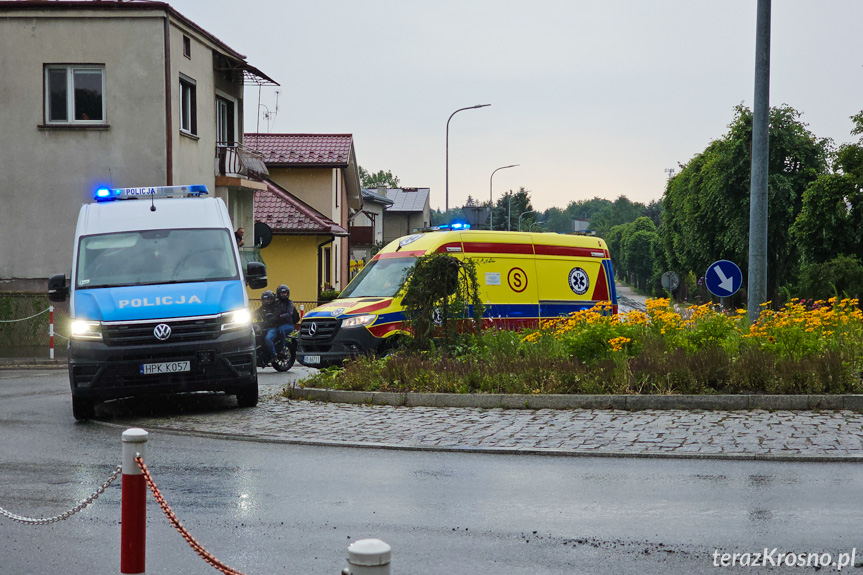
(268, 115)
(670, 172)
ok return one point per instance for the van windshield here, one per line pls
(379, 278)
(155, 257)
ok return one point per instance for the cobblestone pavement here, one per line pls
(830, 435)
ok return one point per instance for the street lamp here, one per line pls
(524, 214)
(490, 204)
(446, 208)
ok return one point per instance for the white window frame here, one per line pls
(70, 93)
(188, 105)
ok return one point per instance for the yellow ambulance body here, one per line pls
(523, 277)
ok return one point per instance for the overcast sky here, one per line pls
(591, 98)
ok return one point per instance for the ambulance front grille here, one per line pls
(315, 330)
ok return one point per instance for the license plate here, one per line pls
(315, 359)
(167, 367)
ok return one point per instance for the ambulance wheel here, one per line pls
(391, 345)
(248, 397)
(83, 408)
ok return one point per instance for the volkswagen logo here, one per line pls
(162, 331)
(313, 328)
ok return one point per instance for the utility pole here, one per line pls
(757, 291)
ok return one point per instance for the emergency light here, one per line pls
(107, 195)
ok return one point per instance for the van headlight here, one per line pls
(359, 320)
(86, 330)
(236, 319)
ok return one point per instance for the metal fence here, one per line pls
(24, 321)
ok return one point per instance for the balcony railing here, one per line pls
(250, 255)
(362, 235)
(233, 159)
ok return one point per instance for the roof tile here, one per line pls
(302, 149)
(287, 214)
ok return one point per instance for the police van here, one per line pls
(523, 278)
(157, 298)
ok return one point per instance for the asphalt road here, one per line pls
(279, 508)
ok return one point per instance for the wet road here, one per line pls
(276, 508)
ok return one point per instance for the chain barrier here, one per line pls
(166, 509)
(67, 514)
(25, 318)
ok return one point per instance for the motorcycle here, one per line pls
(286, 349)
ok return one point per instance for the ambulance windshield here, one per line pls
(155, 257)
(380, 278)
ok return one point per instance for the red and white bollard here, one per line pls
(133, 516)
(302, 310)
(51, 331)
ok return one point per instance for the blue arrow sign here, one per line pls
(723, 278)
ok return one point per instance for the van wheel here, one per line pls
(248, 397)
(83, 409)
(391, 346)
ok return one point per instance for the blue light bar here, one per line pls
(105, 194)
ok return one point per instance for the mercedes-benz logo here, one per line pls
(313, 328)
(162, 331)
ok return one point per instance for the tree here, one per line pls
(380, 178)
(509, 207)
(706, 206)
(621, 211)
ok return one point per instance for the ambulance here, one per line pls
(157, 299)
(523, 278)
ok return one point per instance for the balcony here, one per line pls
(250, 255)
(234, 160)
(362, 235)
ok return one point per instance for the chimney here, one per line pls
(382, 190)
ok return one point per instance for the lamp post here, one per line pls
(446, 208)
(490, 201)
(522, 215)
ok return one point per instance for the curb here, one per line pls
(619, 402)
(19, 363)
(787, 457)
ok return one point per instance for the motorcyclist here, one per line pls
(266, 317)
(286, 316)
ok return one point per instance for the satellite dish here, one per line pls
(263, 235)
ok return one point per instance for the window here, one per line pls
(225, 121)
(188, 106)
(75, 94)
(187, 47)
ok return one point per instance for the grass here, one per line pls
(802, 348)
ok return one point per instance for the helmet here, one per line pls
(283, 291)
(268, 297)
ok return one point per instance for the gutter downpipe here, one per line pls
(169, 125)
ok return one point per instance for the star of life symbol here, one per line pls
(437, 316)
(162, 331)
(578, 281)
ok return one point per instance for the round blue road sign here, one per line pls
(723, 278)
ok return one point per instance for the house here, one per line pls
(111, 94)
(320, 170)
(368, 227)
(300, 234)
(410, 212)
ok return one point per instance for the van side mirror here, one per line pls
(256, 275)
(57, 289)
